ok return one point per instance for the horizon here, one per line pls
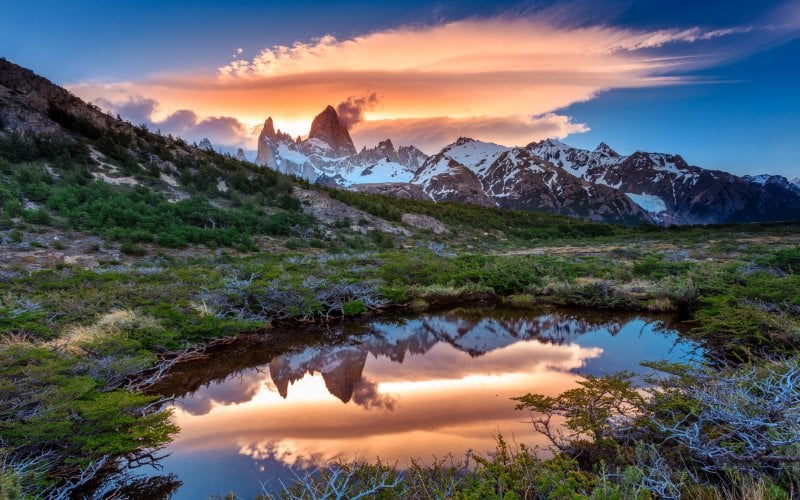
(708, 83)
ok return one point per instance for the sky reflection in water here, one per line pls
(409, 388)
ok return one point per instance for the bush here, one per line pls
(353, 308)
(38, 216)
(132, 249)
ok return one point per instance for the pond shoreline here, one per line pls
(144, 382)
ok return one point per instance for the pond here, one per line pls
(397, 387)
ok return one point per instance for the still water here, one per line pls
(395, 388)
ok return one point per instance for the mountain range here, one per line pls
(546, 176)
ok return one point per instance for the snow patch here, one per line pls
(292, 155)
(649, 203)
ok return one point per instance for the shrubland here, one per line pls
(79, 345)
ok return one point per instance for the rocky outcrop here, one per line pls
(425, 222)
(408, 156)
(240, 155)
(206, 145)
(331, 212)
(327, 128)
(32, 105)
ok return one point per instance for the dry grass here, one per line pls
(107, 324)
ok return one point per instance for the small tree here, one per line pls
(596, 410)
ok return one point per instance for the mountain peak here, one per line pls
(327, 128)
(267, 142)
(268, 130)
(605, 149)
(240, 155)
(386, 145)
(206, 144)
(547, 143)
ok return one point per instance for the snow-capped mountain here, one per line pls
(328, 155)
(778, 180)
(485, 173)
(548, 176)
(674, 192)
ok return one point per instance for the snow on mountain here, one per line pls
(475, 155)
(488, 174)
(758, 179)
(384, 171)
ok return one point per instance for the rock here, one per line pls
(327, 128)
(240, 155)
(267, 146)
(206, 144)
(424, 222)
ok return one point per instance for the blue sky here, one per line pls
(733, 101)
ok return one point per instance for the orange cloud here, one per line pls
(474, 72)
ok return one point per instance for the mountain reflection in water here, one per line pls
(403, 388)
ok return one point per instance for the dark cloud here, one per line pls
(351, 111)
(221, 130)
(234, 390)
(179, 122)
(136, 110)
(365, 394)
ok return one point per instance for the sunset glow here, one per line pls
(504, 79)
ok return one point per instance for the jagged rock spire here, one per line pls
(327, 128)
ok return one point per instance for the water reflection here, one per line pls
(405, 388)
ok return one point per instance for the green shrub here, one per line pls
(38, 216)
(353, 308)
(132, 249)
